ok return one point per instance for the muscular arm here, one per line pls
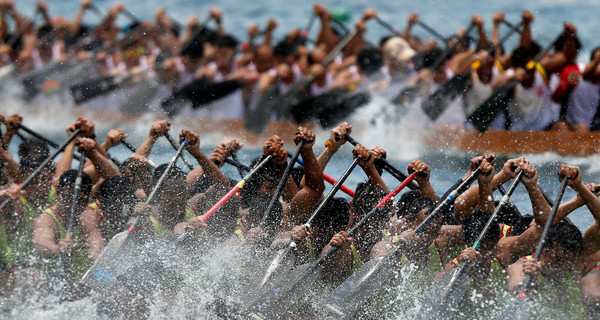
(43, 237)
(89, 222)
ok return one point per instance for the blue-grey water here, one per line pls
(401, 139)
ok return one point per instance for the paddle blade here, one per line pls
(518, 308)
(349, 297)
(110, 263)
(437, 103)
(282, 262)
(486, 113)
(274, 302)
(90, 89)
(257, 119)
(444, 298)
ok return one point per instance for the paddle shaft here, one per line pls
(438, 62)
(159, 183)
(538, 251)
(174, 144)
(433, 32)
(41, 166)
(337, 186)
(75, 197)
(281, 184)
(234, 190)
(332, 181)
(387, 166)
(386, 25)
(235, 158)
(447, 201)
(371, 213)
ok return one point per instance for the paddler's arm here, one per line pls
(468, 200)
(484, 179)
(12, 214)
(75, 26)
(89, 222)
(303, 202)
(367, 163)
(64, 164)
(43, 238)
(482, 41)
(11, 166)
(412, 19)
(158, 129)
(102, 167)
(425, 187)
(516, 273)
(336, 140)
(326, 35)
(528, 18)
(339, 265)
(210, 169)
(567, 55)
(43, 9)
(13, 123)
(541, 209)
(497, 19)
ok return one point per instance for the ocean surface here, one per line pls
(400, 138)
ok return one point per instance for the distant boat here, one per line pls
(516, 142)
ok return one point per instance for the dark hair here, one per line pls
(383, 40)
(509, 214)
(334, 216)
(559, 44)
(405, 201)
(67, 180)
(284, 49)
(473, 226)
(369, 60)
(417, 205)
(116, 190)
(366, 197)
(566, 235)
(520, 57)
(521, 225)
(297, 174)
(33, 149)
(33, 163)
(174, 173)
(258, 207)
(227, 41)
(252, 187)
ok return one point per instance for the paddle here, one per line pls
(41, 167)
(174, 144)
(235, 158)
(280, 186)
(483, 116)
(408, 94)
(285, 259)
(332, 181)
(272, 100)
(234, 190)
(433, 32)
(55, 145)
(349, 296)
(65, 258)
(327, 177)
(447, 293)
(437, 103)
(117, 253)
(387, 166)
(519, 307)
(283, 294)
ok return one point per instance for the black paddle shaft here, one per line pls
(43, 165)
(549, 223)
(401, 176)
(333, 190)
(174, 144)
(75, 196)
(281, 184)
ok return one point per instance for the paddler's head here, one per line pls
(473, 226)
(116, 196)
(173, 193)
(263, 58)
(332, 219)
(66, 186)
(563, 246)
(365, 199)
(32, 153)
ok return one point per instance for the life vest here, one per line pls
(80, 260)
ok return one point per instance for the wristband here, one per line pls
(330, 145)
